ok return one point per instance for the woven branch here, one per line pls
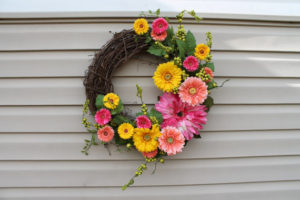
(123, 46)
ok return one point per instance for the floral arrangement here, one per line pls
(186, 78)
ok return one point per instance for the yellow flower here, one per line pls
(167, 76)
(141, 26)
(201, 51)
(111, 100)
(145, 139)
(126, 131)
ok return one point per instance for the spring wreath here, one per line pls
(186, 77)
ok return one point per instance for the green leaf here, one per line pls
(99, 101)
(170, 34)
(182, 48)
(211, 66)
(209, 102)
(190, 43)
(154, 50)
(119, 119)
(148, 39)
(157, 115)
(118, 109)
(157, 12)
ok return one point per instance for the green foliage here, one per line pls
(182, 48)
(118, 109)
(120, 119)
(157, 115)
(88, 144)
(211, 85)
(99, 101)
(211, 66)
(155, 50)
(190, 43)
(169, 38)
(209, 102)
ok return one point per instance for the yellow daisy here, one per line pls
(141, 26)
(111, 100)
(201, 51)
(126, 131)
(145, 139)
(167, 76)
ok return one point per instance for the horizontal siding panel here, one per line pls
(70, 91)
(67, 146)
(116, 173)
(221, 117)
(246, 191)
(92, 36)
(68, 63)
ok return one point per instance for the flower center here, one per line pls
(192, 91)
(190, 64)
(125, 130)
(105, 133)
(111, 101)
(141, 25)
(160, 25)
(102, 116)
(168, 77)
(202, 51)
(170, 140)
(179, 114)
(143, 122)
(147, 137)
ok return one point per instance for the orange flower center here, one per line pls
(111, 101)
(202, 51)
(192, 91)
(190, 64)
(147, 137)
(168, 77)
(170, 140)
(160, 25)
(141, 25)
(125, 130)
(105, 133)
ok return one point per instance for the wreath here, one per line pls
(186, 77)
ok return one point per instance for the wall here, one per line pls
(250, 147)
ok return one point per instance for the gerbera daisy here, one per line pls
(193, 91)
(171, 141)
(201, 51)
(209, 72)
(191, 63)
(159, 25)
(145, 139)
(143, 121)
(125, 131)
(102, 116)
(167, 76)
(188, 119)
(111, 100)
(151, 154)
(105, 134)
(141, 26)
(160, 37)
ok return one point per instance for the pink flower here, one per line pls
(106, 134)
(188, 119)
(143, 121)
(193, 91)
(150, 154)
(103, 116)
(191, 63)
(160, 37)
(159, 25)
(210, 73)
(171, 141)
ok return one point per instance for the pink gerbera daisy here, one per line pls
(143, 121)
(159, 25)
(191, 63)
(188, 119)
(150, 154)
(105, 134)
(171, 141)
(193, 91)
(160, 37)
(103, 116)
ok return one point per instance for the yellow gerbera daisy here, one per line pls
(167, 76)
(111, 100)
(201, 51)
(145, 139)
(126, 131)
(141, 26)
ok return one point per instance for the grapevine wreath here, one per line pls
(185, 76)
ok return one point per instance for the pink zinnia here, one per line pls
(150, 154)
(193, 91)
(188, 119)
(171, 141)
(160, 37)
(106, 134)
(159, 25)
(102, 116)
(191, 63)
(210, 73)
(143, 121)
